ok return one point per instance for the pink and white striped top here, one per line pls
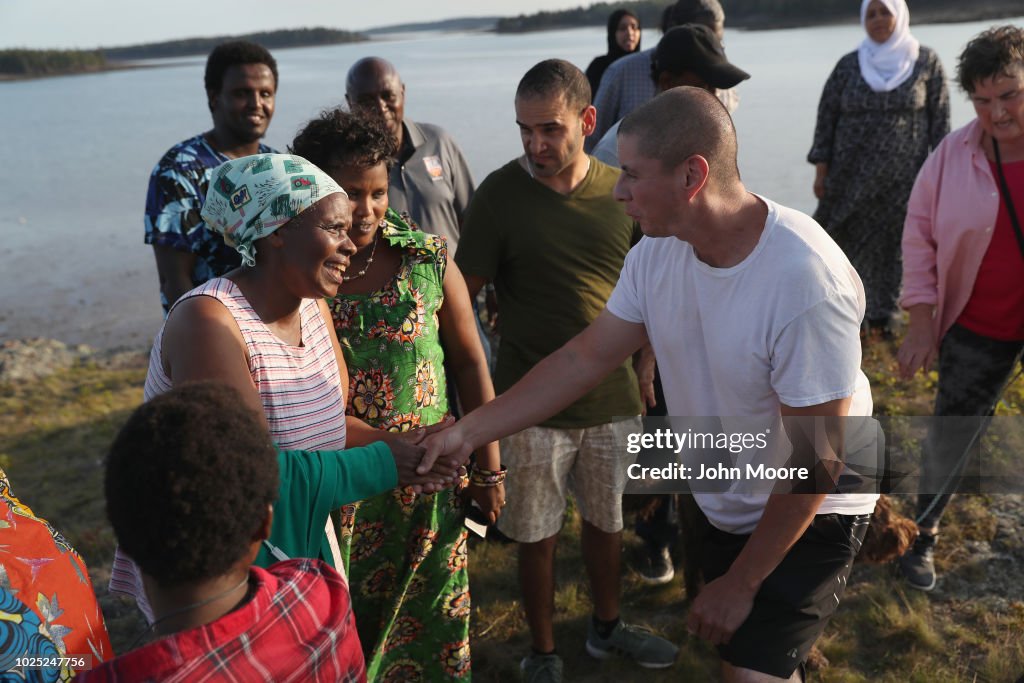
(300, 387)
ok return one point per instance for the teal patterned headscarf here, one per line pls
(253, 196)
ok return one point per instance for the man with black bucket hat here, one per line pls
(686, 55)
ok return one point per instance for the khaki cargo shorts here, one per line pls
(546, 463)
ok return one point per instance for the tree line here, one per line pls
(30, 63)
(754, 14)
(50, 62)
(272, 40)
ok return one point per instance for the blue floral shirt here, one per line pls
(177, 190)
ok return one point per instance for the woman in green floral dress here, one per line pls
(402, 306)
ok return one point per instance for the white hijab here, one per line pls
(885, 66)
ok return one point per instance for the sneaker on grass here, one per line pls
(917, 565)
(639, 644)
(541, 669)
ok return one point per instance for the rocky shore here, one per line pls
(31, 359)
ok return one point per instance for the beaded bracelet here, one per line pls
(479, 477)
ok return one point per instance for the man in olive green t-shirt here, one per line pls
(547, 232)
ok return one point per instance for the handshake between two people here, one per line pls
(431, 459)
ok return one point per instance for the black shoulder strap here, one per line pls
(1005, 188)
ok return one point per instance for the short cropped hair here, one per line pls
(233, 53)
(556, 77)
(681, 122)
(705, 12)
(188, 481)
(995, 52)
(338, 138)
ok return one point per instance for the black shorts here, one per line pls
(796, 601)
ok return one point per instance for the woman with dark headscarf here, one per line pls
(623, 39)
(883, 108)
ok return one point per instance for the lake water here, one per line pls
(72, 262)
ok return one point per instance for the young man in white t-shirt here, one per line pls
(753, 311)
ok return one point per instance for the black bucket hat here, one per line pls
(694, 47)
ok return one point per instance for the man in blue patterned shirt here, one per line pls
(241, 83)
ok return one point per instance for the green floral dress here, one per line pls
(405, 553)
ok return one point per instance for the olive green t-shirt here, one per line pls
(554, 260)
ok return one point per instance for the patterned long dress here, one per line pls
(405, 553)
(874, 144)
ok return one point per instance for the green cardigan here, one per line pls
(312, 484)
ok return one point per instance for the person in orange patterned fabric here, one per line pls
(48, 610)
(402, 313)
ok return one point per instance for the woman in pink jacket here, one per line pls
(963, 273)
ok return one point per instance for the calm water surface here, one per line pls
(72, 262)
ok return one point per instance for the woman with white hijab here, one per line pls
(883, 108)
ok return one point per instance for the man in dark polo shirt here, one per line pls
(431, 181)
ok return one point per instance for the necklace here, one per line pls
(369, 260)
(187, 608)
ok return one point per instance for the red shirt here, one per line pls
(996, 306)
(297, 627)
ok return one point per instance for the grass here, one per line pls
(53, 433)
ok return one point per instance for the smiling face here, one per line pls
(999, 104)
(627, 34)
(879, 22)
(552, 133)
(245, 104)
(317, 247)
(367, 189)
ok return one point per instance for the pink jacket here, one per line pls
(950, 218)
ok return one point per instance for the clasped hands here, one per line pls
(430, 459)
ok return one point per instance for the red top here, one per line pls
(298, 626)
(996, 306)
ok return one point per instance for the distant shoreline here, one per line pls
(109, 66)
(922, 16)
(756, 22)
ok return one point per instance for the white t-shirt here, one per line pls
(781, 327)
(607, 149)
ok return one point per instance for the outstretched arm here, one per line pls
(468, 364)
(550, 386)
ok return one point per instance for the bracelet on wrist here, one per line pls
(486, 478)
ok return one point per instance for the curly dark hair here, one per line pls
(232, 53)
(188, 480)
(339, 138)
(991, 53)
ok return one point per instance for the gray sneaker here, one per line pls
(541, 669)
(639, 644)
(918, 564)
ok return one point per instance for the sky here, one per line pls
(110, 23)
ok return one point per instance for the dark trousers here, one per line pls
(973, 371)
